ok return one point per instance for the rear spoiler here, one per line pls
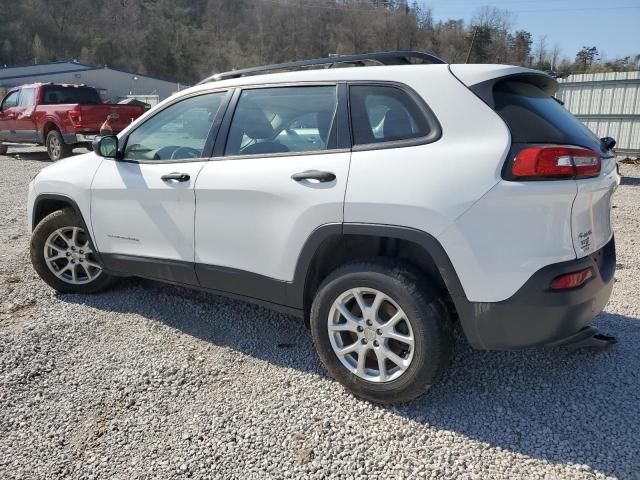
(482, 78)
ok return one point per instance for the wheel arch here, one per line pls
(48, 125)
(48, 203)
(335, 244)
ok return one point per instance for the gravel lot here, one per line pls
(153, 381)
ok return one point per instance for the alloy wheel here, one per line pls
(371, 335)
(54, 147)
(68, 255)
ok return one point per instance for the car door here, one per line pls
(24, 126)
(8, 115)
(278, 177)
(142, 205)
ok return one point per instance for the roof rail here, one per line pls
(384, 58)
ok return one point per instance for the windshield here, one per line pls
(55, 95)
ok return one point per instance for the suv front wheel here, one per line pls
(381, 330)
(62, 254)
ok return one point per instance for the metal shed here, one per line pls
(607, 103)
(113, 84)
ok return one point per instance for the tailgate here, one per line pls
(93, 116)
(591, 215)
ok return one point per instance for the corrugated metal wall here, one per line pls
(607, 103)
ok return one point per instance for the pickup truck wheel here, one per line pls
(63, 256)
(3, 149)
(381, 330)
(56, 148)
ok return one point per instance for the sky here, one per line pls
(613, 26)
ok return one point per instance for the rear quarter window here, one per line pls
(381, 114)
(535, 117)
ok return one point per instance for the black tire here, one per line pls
(426, 312)
(56, 148)
(52, 222)
(3, 149)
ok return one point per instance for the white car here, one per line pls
(382, 204)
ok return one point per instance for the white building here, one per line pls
(113, 85)
(607, 103)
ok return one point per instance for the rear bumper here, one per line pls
(72, 138)
(534, 315)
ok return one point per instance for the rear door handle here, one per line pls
(314, 175)
(178, 177)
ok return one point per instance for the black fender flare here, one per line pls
(419, 237)
(43, 197)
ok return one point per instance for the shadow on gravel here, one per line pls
(632, 181)
(564, 407)
(36, 156)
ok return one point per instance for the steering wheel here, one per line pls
(185, 152)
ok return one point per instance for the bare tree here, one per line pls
(540, 52)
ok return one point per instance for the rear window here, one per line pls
(61, 95)
(535, 117)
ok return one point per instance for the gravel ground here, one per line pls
(153, 381)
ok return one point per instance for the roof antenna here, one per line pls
(473, 40)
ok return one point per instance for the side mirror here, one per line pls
(608, 142)
(106, 146)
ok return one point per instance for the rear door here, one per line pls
(142, 206)
(279, 176)
(8, 115)
(24, 123)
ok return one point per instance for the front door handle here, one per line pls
(178, 177)
(314, 175)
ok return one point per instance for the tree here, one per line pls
(185, 40)
(541, 53)
(39, 52)
(521, 47)
(586, 57)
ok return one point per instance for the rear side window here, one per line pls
(534, 117)
(26, 97)
(282, 120)
(385, 114)
(62, 95)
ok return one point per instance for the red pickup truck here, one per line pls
(61, 117)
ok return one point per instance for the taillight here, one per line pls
(556, 162)
(76, 118)
(571, 280)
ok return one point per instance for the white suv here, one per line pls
(380, 204)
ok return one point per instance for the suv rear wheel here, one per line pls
(62, 254)
(381, 330)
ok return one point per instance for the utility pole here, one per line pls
(473, 40)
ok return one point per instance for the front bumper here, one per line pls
(535, 315)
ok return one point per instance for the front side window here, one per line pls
(282, 120)
(27, 97)
(179, 132)
(385, 114)
(11, 100)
